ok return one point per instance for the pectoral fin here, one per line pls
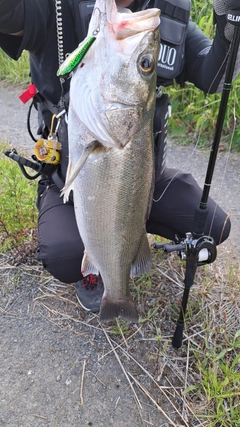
(72, 173)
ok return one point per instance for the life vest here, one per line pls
(173, 30)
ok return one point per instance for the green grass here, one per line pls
(14, 72)
(219, 369)
(18, 214)
(195, 113)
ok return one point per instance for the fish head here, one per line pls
(113, 88)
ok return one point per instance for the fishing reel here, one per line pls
(198, 251)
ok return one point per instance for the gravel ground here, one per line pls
(47, 359)
(52, 368)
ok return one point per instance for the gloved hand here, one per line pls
(231, 10)
(233, 14)
(6, 6)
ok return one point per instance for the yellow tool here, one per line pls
(48, 150)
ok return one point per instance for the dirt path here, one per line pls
(55, 365)
(53, 370)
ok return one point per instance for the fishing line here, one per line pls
(180, 169)
(220, 68)
(226, 165)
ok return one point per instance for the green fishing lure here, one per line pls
(75, 57)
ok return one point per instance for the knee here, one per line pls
(67, 270)
(60, 247)
(222, 231)
(62, 260)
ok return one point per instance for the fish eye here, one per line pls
(146, 64)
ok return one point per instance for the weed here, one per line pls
(18, 214)
(16, 72)
(192, 110)
(121, 327)
(218, 364)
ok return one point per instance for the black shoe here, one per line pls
(89, 292)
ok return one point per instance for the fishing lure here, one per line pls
(75, 58)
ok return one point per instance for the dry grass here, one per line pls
(152, 367)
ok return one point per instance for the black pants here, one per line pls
(61, 248)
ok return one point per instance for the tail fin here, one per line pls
(123, 308)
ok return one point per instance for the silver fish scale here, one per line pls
(111, 204)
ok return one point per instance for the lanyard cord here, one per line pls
(59, 26)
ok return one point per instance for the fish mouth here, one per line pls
(135, 23)
(123, 23)
(127, 24)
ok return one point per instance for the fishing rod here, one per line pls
(197, 248)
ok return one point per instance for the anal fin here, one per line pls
(143, 262)
(88, 267)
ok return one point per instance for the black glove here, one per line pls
(227, 15)
(6, 6)
(233, 12)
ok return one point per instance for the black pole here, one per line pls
(221, 116)
(193, 248)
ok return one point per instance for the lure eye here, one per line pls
(146, 64)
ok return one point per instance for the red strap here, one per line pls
(28, 94)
